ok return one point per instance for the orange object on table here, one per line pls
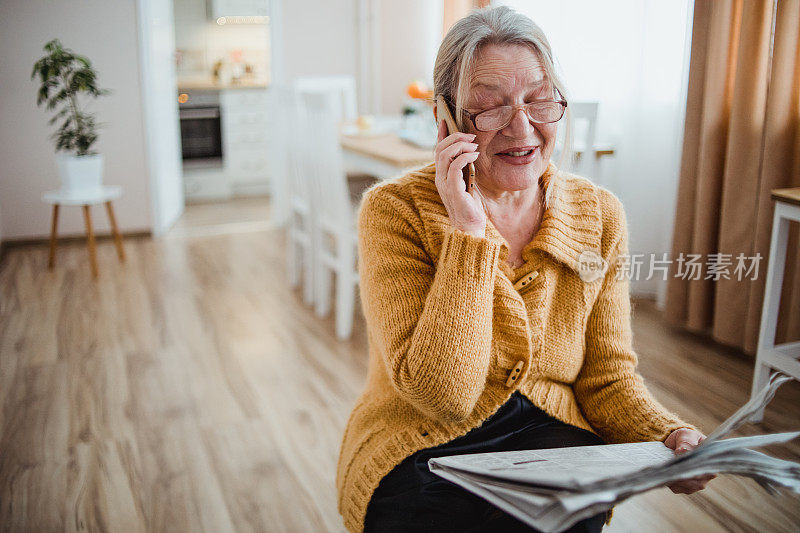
(417, 89)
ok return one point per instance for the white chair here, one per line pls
(298, 193)
(279, 147)
(335, 240)
(584, 128)
(344, 108)
(344, 88)
(584, 119)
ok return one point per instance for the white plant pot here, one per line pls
(80, 173)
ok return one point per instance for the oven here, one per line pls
(201, 128)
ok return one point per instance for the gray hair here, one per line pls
(491, 25)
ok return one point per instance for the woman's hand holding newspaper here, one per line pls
(682, 440)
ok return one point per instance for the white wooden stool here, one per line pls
(85, 198)
(783, 357)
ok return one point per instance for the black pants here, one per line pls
(412, 499)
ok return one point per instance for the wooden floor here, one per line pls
(190, 390)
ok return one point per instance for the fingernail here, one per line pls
(472, 135)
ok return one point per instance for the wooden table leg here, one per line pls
(115, 231)
(87, 216)
(53, 230)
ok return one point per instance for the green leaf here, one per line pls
(42, 95)
(63, 74)
(59, 115)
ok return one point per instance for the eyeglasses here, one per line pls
(497, 118)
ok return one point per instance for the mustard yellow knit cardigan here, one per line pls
(453, 330)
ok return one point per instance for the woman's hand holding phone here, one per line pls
(452, 154)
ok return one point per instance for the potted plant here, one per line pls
(65, 76)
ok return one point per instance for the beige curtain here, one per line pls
(741, 140)
(457, 9)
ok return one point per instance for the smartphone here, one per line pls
(447, 116)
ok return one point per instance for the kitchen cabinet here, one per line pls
(246, 139)
(237, 8)
(190, 12)
(205, 184)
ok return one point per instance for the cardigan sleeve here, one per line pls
(610, 391)
(431, 323)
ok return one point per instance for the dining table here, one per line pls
(381, 150)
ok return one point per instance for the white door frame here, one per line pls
(160, 117)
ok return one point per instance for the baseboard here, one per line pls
(251, 189)
(7, 245)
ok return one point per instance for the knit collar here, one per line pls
(571, 223)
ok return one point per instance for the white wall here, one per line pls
(321, 37)
(105, 32)
(318, 38)
(410, 33)
(631, 56)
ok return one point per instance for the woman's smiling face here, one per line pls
(507, 75)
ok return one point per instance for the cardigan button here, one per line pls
(515, 373)
(526, 280)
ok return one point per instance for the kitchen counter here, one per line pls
(209, 83)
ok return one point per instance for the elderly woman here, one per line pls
(485, 331)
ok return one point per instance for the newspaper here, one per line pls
(552, 489)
